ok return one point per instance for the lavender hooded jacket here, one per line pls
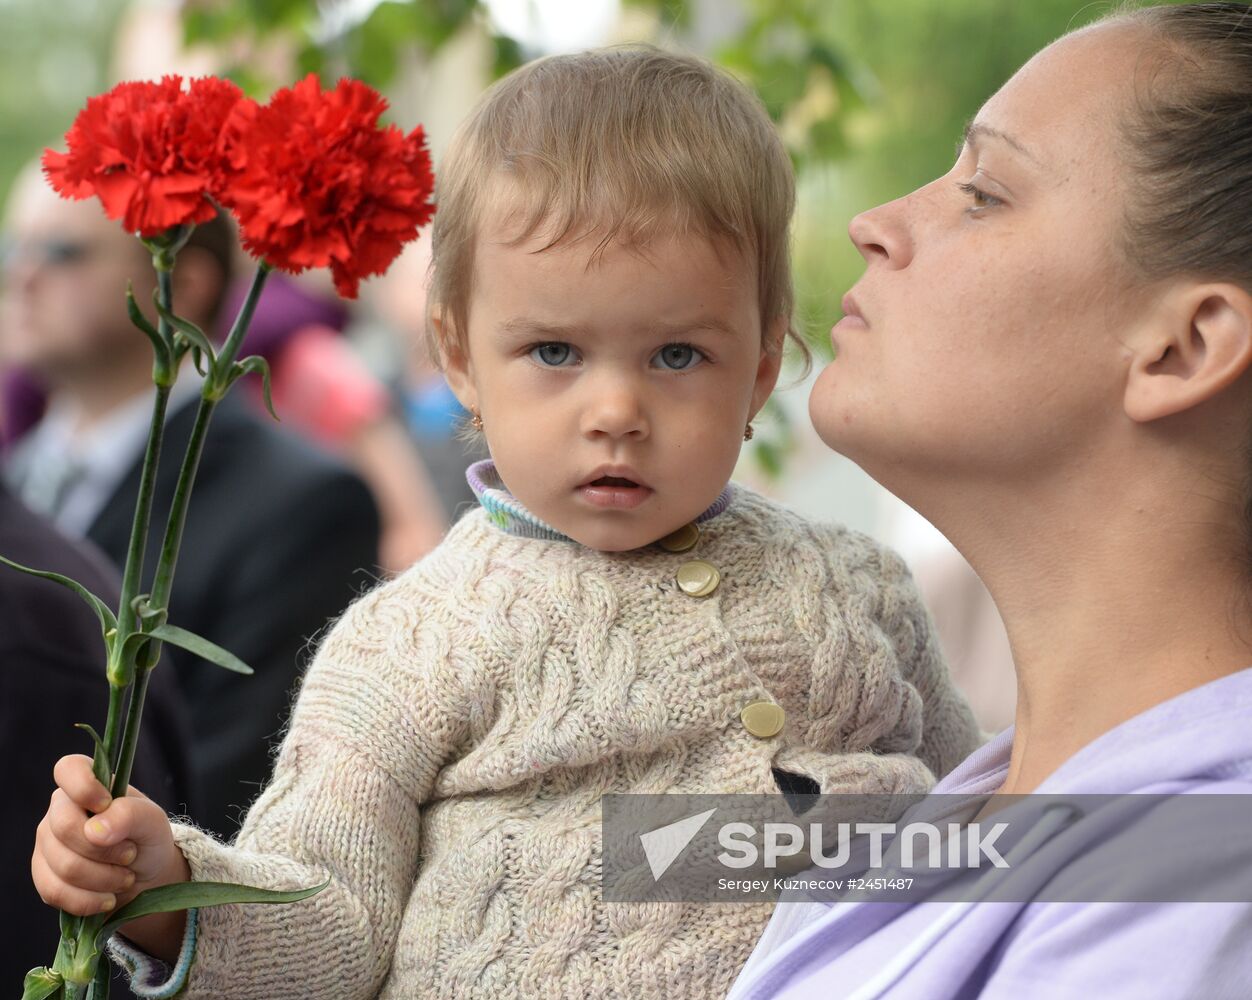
(1198, 742)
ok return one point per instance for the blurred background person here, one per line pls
(278, 533)
(53, 677)
(432, 415)
(323, 389)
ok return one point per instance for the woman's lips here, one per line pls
(614, 492)
(852, 318)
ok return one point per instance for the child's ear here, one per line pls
(1200, 343)
(770, 365)
(454, 360)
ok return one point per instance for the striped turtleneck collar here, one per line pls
(509, 514)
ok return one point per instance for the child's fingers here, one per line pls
(67, 824)
(83, 873)
(55, 892)
(73, 774)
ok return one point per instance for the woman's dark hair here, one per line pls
(1188, 140)
(1189, 144)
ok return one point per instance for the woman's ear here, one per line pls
(454, 360)
(1201, 343)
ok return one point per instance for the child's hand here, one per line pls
(86, 864)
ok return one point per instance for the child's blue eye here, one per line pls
(678, 357)
(553, 355)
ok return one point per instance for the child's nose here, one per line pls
(614, 410)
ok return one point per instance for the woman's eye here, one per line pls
(678, 357)
(554, 355)
(980, 197)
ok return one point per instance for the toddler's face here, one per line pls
(614, 388)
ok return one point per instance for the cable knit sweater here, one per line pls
(445, 760)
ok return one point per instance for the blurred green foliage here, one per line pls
(870, 96)
(53, 55)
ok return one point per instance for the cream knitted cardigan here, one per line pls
(445, 760)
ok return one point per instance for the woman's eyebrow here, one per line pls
(973, 132)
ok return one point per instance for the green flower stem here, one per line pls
(226, 356)
(162, 585)
(119, 672)
(79, 972)
(130, 665)
(77, 958)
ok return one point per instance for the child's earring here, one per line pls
(748, 432)
(477, 421)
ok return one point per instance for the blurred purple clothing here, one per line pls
(1197, 743)
(284, 308)
(22, 405)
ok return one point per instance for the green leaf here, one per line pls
(150, 617)
(41, 983)
(188, 895)
(201, 647)
(189, 330)
(140, 320)
(127, 657)
(100, 984)
(107, 619)
(257, 364)
(100, 762)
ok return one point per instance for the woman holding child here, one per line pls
(1048, 356)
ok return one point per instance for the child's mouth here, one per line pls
(615, 492)
(612, 481)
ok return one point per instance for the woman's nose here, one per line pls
(883, 234)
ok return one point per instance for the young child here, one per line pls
(610, 297)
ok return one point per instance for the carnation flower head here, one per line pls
(150, 152)
(314, 181)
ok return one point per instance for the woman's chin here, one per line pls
(831, 414)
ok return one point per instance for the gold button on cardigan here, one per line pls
(698, 578)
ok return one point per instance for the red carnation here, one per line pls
(149, 151)
(316, 182)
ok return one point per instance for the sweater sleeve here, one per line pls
(379, 714)
(949, 731)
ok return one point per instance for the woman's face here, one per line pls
(990, 311)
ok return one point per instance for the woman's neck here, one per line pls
(1117, 596)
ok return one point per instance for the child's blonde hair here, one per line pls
(622, 144)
